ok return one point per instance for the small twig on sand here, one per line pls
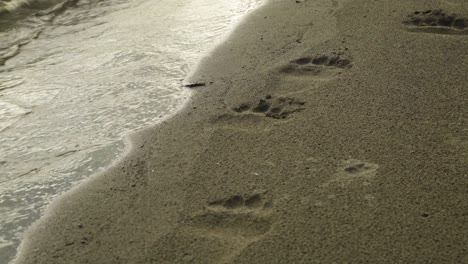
(193, 85)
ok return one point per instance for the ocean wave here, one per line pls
(11, 6)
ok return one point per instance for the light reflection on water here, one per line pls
(70, 96)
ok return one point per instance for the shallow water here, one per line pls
(96, 72)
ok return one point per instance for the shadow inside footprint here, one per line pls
(302, 61)
(233, 202)
(356, 168)
(262, 106)
(436, 21)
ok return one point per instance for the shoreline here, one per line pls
(150, 83)
(309, 145)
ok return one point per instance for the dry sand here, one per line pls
(329, 131)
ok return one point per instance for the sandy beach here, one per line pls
(328, 131)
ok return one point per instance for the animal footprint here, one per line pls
(236, 222)
(243, 217)
(320, 65)
(436, 21)
(279, 108)
(352, 170)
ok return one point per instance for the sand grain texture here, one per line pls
(332, 131)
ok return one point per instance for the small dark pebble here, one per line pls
(425, 215)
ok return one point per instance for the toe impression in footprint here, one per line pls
(277, 108)
(244, 216)
(437, 21)
(320, 65)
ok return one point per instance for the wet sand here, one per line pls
(328, 131)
